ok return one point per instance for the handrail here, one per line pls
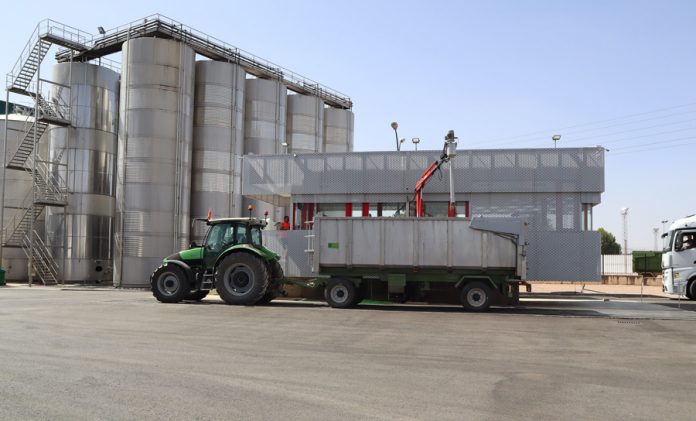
(42, 255)
(191, 36)
(43, 29)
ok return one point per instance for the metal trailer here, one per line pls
(477, 263)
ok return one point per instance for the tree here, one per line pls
(609, 244)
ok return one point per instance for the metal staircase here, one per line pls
(48, 187)
(43, 263)
(30, 66)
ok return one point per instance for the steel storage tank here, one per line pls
(305, 124)
(218, 142)
(338, 130)
(17, 188)
(80, 235)
(153, 177)
(265, 107)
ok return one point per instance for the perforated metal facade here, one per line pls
(546, 187)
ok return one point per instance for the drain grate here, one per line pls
(629, 322)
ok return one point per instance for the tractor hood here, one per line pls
(195, 253)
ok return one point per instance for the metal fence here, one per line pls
(617, 264)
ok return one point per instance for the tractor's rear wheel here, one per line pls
(476, 296)
(266, 299)
(241, 279)
(341, 293)
(170, 284)
(196, 295)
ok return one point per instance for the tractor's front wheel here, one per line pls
(241, 279)
(169, 284)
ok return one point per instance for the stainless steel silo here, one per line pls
(265, 107)
(153, 181)
(80, 235)
(305, 124)
(218, 142)
(17, 187)
(338, 130)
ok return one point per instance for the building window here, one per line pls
(332, 209)
(587, 216)
(439, 209)
(388, 210)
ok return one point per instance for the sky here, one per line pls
(502, 74)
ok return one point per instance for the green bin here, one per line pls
(647, 261)
(2, 276)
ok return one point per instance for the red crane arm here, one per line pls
(424, 180)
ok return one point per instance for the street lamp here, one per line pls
(555, 139)
(416, 141)
(395, 126)
(663, 225)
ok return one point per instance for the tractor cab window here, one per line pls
(219, 236)
(256, 236)
(241, 234)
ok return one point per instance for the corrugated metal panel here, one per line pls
(80, 237)
(218, 142)
(154, 156)
(517, 170)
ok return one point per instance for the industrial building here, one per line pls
(117, 160)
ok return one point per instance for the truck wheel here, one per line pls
(241, 279)
(476, 296)
(340, 293)
(196, 296)
(169, 284)
(691, 290)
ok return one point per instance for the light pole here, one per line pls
(555, 139)
(624, 213)
(395, 126)
(451, 150)
(416, 141)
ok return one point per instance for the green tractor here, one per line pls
(232, 260)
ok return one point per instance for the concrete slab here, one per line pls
(118, 354)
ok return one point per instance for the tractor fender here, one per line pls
(242, 248)
(186, 268)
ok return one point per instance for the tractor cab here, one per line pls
(232, 259)
(230, 232)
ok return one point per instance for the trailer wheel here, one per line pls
(169, 284)
(196, 296)
(476, 296)
(340, 293)
(241, 279)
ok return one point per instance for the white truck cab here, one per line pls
(679, 258)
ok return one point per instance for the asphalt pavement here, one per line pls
(73, 354)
